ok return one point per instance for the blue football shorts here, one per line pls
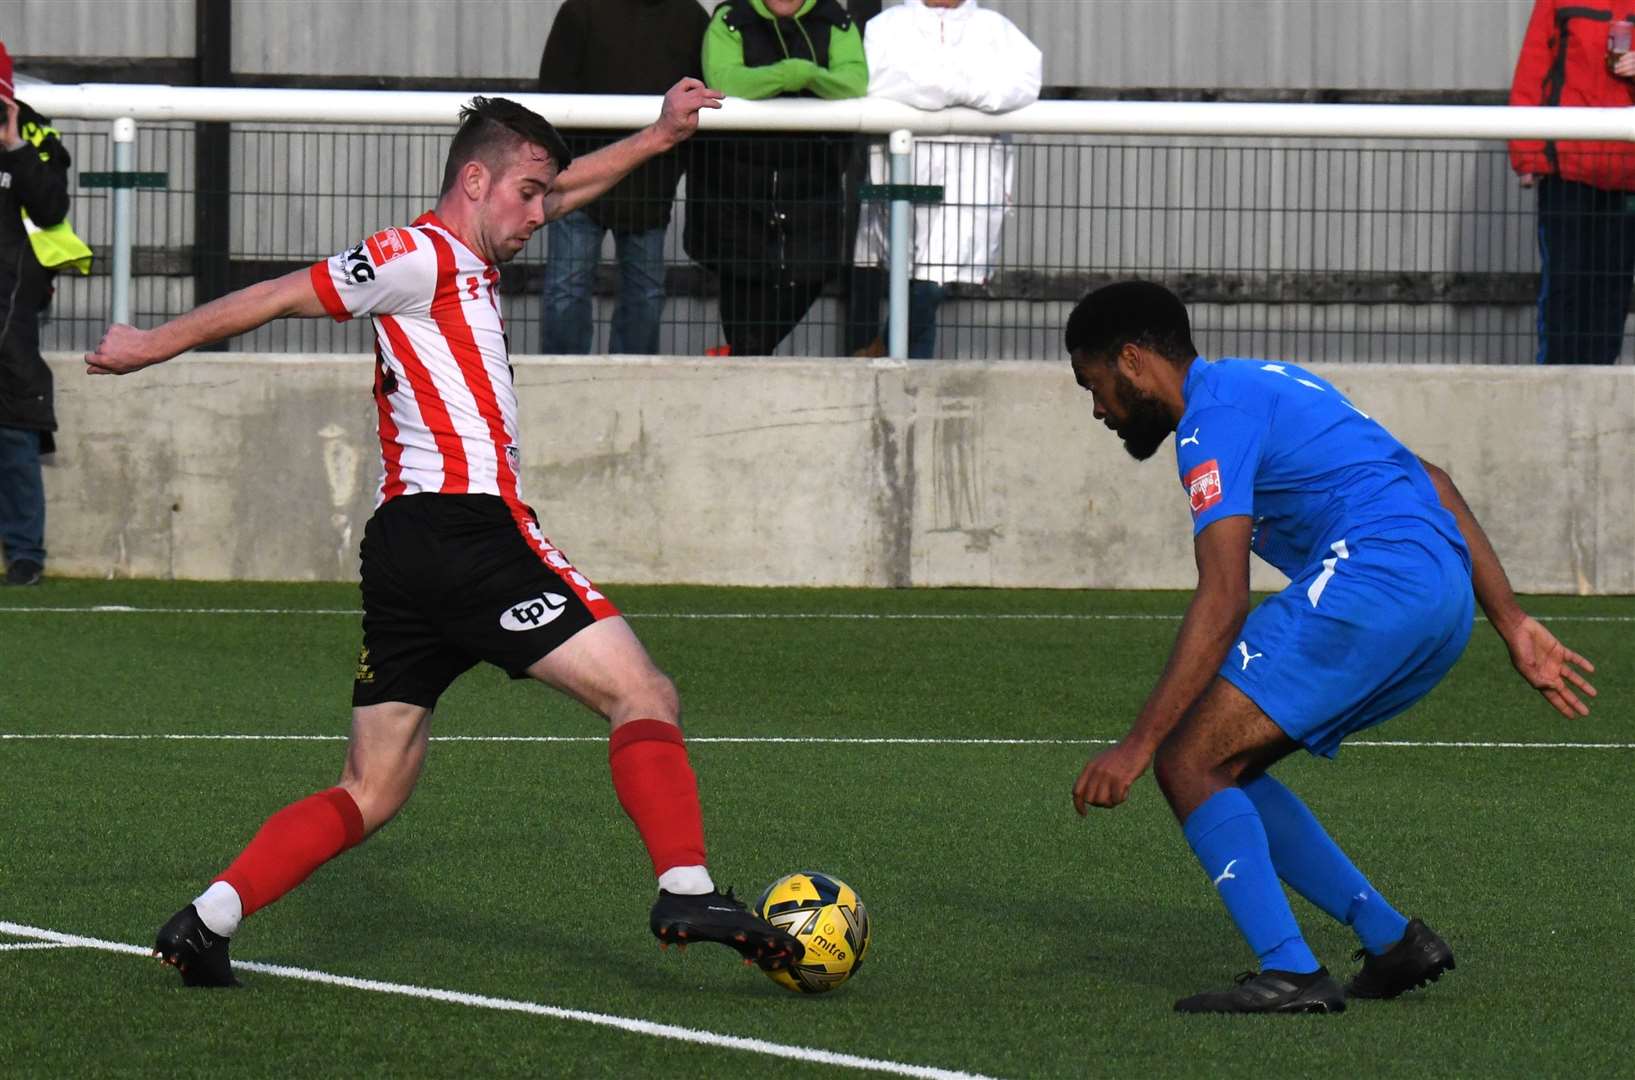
(1358, 638)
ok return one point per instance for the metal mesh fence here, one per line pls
(1310, 250)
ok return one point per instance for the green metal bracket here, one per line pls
(923, 194)
(124, 180)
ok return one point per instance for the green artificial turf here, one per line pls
(1011, 938)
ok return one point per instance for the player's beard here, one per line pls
(1147, 423)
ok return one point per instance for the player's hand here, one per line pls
(123, 349)
(1625, 67)
(678, 120)
(1527, 179)
(1547, 665)
(1106, 780)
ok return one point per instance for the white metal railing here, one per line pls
(125, 105)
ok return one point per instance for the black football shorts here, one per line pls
(451, 580)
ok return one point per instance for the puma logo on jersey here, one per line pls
(1247, 655)
(533, 613)
(1193, 438)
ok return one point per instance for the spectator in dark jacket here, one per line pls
(765, 211)
(33, 181)
(616, 47)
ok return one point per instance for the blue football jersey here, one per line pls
(1282, 446)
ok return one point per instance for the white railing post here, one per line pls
(901, 253)
(124, 159)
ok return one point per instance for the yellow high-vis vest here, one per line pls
(57, 247)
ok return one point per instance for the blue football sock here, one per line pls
(1314, 866)
(1229, 840)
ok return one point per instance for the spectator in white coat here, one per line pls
(935, 54)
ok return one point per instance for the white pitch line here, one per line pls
(823, 740)
(841, 616)
(19, 947)
(865, 616)
(483, 1001)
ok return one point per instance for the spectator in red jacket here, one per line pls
(1577, 53)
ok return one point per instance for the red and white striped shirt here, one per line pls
(443, 389)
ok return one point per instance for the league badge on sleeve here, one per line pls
(1204, 486)
(388, 244)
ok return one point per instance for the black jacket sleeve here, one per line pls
(39, 177)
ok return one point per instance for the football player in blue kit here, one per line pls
(1382, 555)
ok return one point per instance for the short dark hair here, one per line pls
(1142, 313)
(491, 129)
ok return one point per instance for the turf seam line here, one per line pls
(858, 616)
(828, 740)
(483, 1001)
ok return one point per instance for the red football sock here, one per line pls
(657, 788)
(292, 844)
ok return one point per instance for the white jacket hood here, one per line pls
(934, 58)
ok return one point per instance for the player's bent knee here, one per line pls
(1178, 769)
(378, 802)
(651, 697)
(1168, 767)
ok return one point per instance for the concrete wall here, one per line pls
(792, 472)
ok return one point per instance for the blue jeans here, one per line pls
(574, 247)
(924, 298)
(22, 496)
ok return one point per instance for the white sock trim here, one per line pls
(220, 909)
(687, 880)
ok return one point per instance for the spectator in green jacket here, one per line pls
(765, 211)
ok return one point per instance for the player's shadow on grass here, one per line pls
(401, 923)
(1161, 944)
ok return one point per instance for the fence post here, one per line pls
(124, 158)
(901, 250)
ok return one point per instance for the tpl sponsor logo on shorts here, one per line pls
(533, 613)
(1204, 486)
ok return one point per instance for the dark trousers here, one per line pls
(1586, 243)
(869, 285)
(22, 496)
(758, 312)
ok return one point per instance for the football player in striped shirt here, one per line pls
(455, 567)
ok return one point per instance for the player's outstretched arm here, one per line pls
(1540, 658)
(125, 349)
(1213, 619)
(591, 175)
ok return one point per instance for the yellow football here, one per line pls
(824, 914)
